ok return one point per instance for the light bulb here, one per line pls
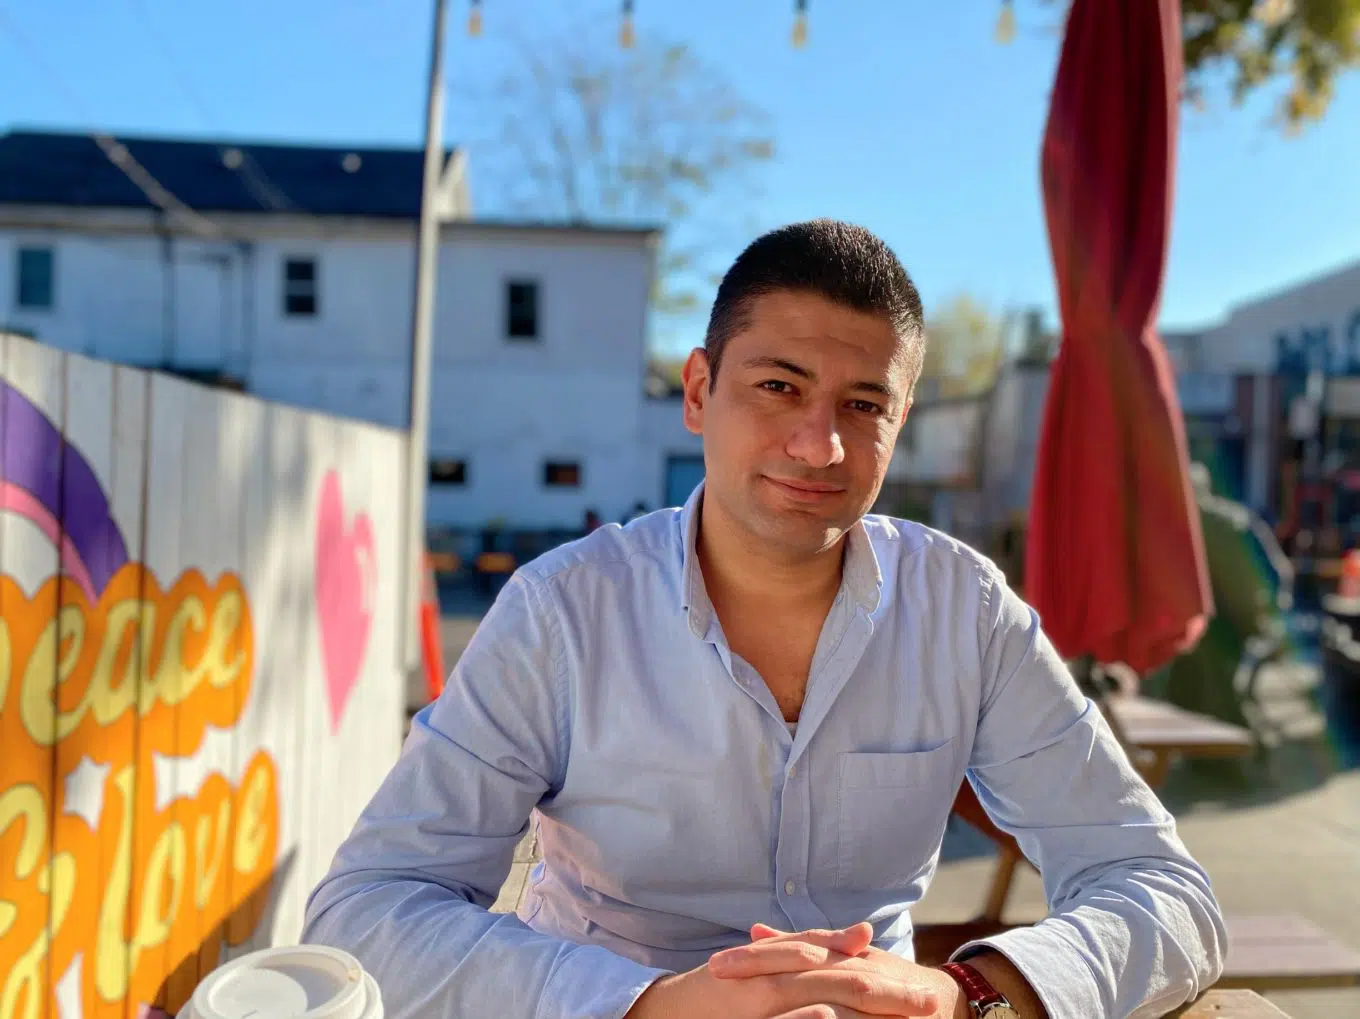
(1005, 24)
(474, 27)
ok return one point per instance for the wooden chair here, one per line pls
(496, 563)
(445, 564)
(492, 565)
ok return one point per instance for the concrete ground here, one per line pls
(1277, 835)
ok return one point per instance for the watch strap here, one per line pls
(982, 996)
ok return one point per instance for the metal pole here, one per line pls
(422, 320)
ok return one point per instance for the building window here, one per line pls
(299, 286)
(448, 472)
(562, 474)
(35, 269)
(521, 310)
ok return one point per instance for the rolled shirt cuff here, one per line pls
(593, 983)
(1059, 975)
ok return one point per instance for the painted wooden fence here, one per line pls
(199, 684)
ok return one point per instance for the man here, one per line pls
(740, 726)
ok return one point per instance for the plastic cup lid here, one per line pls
(305, 982)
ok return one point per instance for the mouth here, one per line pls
(806, 491)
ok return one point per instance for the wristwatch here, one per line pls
(984, 999)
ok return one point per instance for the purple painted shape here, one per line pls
(34, 457)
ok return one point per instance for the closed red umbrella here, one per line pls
(1115, 559)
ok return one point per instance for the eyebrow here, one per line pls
(782, 364)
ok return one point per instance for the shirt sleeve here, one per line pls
(1133, 926)
(409, 891)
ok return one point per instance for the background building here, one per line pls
(288, 272)
(1270, 397)
(1275, 391)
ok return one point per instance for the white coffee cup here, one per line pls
(309, 981)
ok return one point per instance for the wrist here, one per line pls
(1000, 978)
(953, 1002)
(651, 1003)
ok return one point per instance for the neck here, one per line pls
(737, 568)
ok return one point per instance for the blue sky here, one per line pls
(900, 114)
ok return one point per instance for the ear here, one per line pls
(696, 382)
(906, 409)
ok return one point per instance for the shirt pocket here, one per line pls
(892, 812)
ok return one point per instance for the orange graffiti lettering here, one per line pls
(117, 689)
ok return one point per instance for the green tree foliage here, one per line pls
(963, 348)
(1298, 48)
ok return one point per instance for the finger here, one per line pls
(865, 990)
(824, 1012)
(857, 939)
(772, 957)
(840, 944)
(848, 940)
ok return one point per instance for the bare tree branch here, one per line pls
(581, 131)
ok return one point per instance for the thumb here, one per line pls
(760, 931)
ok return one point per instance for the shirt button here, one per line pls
(789, 886)
(793, 770)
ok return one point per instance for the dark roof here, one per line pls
(41, 168)
(564, 226)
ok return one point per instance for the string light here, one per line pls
(1005, 24)
(474, 27)
(800, 26)
(627, 37)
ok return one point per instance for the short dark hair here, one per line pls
(844, 263)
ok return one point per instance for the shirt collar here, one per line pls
(862, 579)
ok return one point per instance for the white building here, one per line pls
(293, 279)
(1277, 373)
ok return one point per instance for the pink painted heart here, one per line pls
(346, 576)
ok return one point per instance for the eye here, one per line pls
(866, 406)
(775, 386)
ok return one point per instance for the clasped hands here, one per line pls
(805, 975)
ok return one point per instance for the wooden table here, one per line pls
(1156, 734)
(1282, 952)
(1231, 1005)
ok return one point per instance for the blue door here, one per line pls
(683, 474)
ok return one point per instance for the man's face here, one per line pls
(801, 424)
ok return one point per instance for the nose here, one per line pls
(815, 438)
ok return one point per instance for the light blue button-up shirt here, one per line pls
(599, 700)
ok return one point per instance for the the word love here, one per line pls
(98, 867)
